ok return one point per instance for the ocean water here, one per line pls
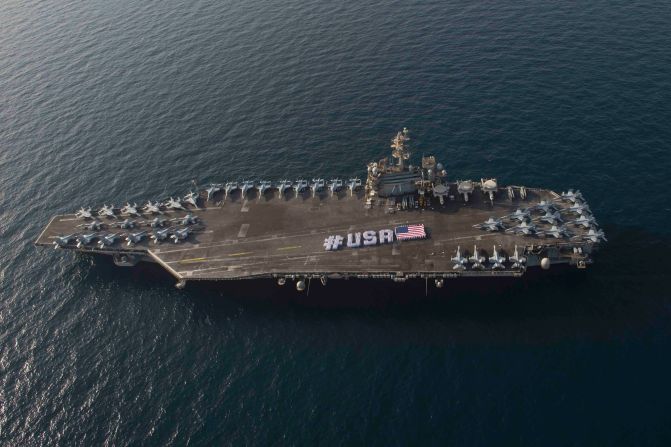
(108, 101)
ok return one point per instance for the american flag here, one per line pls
(407, 232)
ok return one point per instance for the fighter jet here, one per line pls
(335, 185)
(284, 185)
(593, 235)
(578, 208)
(497, 260)
(520, 215)
(246, 186)
(156, 222)
(92, 226)
(107, 211)
(180, 234)
(584, 220)
(317, 185)
(459, 261)
(353, 184)
(160, 235)
(85, 239)
(517, 260)
(476, 259)
(213, 189)
(62, 241)
(173, 204)
(229, 188)
(192, 198)
(551, 217)
(301, 185)
(571, 196)
(186, 220)
(490, 224)
(127, 224)
(130, 210)
(84, 213)
(107, 240)
(524, 229)
(264, 185)
(134, 238)
(556, 232)
(544, 207)
(152, 208)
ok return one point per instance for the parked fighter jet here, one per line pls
(107, 211)
(246, 186)
(85, 239)
(517, 259)
(186, 220)
(62, 241)
(264, 185)
(160, 235)
(551, 217)
(490, 224)
(130, 210)
(497, 260)
(571, 196)
(335, 185)
(593, 235)
(180, 234)
(92, 226)
(353, 184)
(520, 215)
(476, 259)
(317, 185)
(556, 232)
(284, 185)
(301, 185)
(152, 208)
(544, 207)
(84, 213)
(523, 228)
(156, 222)
(229, 188)
(459, 261)
(134, 238)
(584, 220)
(213, 189)
(126, 224)
(192, 198)
(107, 240)
(173, 204)
(578, 208)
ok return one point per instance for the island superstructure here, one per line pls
(401, 222)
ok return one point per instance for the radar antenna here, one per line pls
(400, 152)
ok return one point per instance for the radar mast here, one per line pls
(400, 152)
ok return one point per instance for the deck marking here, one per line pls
(192, 260)
(242, 253)
(245, 206)
(243, 230)
(291, 247)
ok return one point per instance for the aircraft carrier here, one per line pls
(399, 222)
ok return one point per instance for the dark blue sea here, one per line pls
(108, 101)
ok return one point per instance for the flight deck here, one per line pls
(294, 231)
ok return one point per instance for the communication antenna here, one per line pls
(400, 152)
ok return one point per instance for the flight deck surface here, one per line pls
(284, 236)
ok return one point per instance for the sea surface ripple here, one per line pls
(108, 101)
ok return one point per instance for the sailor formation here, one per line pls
(402, 222)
